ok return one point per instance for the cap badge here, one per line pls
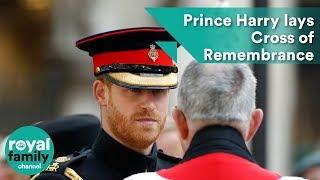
(98, 70)
(153, 53)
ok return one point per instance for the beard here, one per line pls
(131, 131)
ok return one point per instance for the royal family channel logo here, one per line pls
(29, 150)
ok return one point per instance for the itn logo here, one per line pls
(29, 150)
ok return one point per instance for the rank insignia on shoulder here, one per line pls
(62, 159)
(55, 165)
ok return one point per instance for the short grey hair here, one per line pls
(221, 93)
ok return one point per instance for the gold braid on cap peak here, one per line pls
(133, 79)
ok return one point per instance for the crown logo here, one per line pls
(153, 53)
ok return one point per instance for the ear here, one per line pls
(255, 122)
(181, 123)
(100, 92)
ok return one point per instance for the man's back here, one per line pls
(216, 152)
(216, 115)
(218, 166)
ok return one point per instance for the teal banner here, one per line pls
(244, 35)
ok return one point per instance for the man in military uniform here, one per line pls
(133, 80)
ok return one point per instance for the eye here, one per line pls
(159, 91)
(134, 90)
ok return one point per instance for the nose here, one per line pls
(147, 100)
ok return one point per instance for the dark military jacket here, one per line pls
(107, 159)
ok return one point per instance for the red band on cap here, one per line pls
(131, 57)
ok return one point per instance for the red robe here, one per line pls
(218, 166)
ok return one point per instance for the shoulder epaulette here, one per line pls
(61, 166)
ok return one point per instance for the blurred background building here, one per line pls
(43, 75)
